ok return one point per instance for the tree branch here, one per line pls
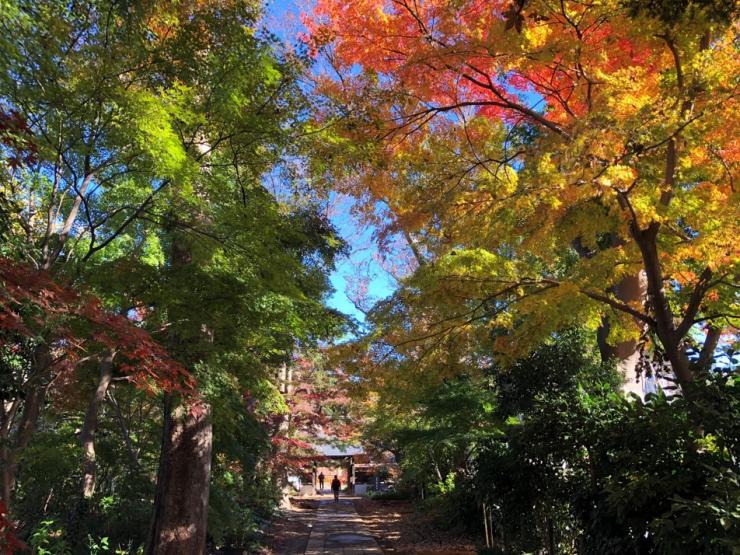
(697, 296)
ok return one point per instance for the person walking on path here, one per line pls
(336, 485)
(321, 482)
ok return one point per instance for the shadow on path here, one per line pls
(338, 529)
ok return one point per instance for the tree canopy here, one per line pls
(550, 182)
(549, 163)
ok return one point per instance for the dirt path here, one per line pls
(337, 529)
(402, 530)
(290, 531)
(358, 525)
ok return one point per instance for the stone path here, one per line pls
(339, 530)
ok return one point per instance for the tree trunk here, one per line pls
(706, 356)
(665, 327)
(8, 478)
(90, 425)
(631, 290)
(551, 548)
(485, 526)
(6, 453)
(181, 501)
(280, 474)
(15, 437)
(180, 518)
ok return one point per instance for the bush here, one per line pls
(620, 476)
(567, 463)
(390, 495)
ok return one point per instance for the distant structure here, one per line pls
(352, 464)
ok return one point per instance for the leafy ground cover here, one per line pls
(401, 527)
(290, 530)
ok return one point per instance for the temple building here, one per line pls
(356, 468)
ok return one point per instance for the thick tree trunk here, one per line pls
(181, 501)
(90, 425)
(631, 290)
(180, 519)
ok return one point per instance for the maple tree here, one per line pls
(31, 300)
(317, 412)
(550, 166)
(529, 166)
(75, 328)
(550, 163)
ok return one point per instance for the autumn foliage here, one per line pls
(17, 137)
(318, 411)
(549, 183)
(549, 163)
(32, 304)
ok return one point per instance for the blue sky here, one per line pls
(361, 263)
(283, 19)
(281, 8)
